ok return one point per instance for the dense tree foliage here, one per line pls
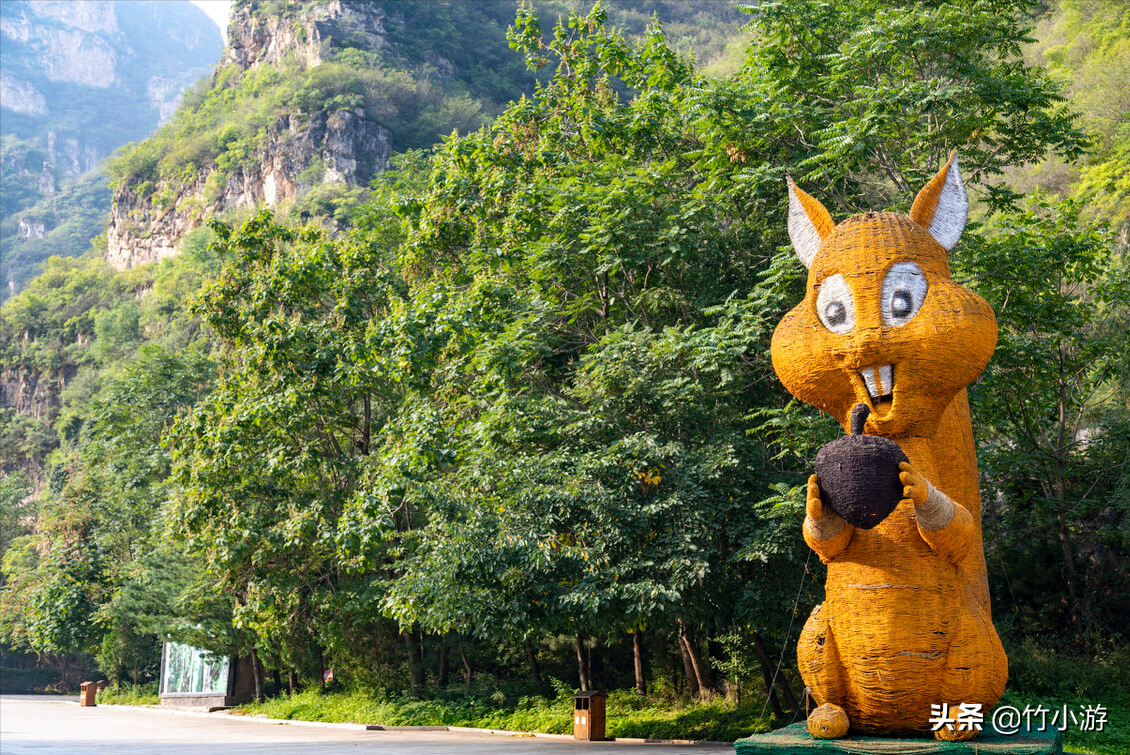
(1086, 43)
(1052, 417)
(524, 410)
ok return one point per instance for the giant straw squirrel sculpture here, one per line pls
(906, 622)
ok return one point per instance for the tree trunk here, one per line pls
(415, 665)
(702, 676)
(688, 666)
(637, 658)
(535, 667)
(278, 681)
(582, 665)
(441, 664)
(781, 682)
(767, 672)
(257, 676)
(466, 664)
(320, 660)
(292, 680)
(1073, 605)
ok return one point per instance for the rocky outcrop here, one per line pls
(80, 58)
(257, 40)
(47, 180)
(72, 47)
(92, 16)
(71, 156)
(342, 147)
(21, 97)
(165, 93)
(34, 393)
(345, 146)
(78, 79)
(32, 229)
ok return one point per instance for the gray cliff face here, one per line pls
(21, 97)
(78, 79)
(36, 394)
(94, 16)
(259, 41)
(69, 42)
(351, 149)
(70, 155)
(343, 146)
(31, 229)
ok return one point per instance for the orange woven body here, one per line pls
(906, 623)
(902, 629)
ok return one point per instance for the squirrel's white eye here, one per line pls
(904, 290)
(835, 306)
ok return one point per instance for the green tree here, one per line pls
(1052, 416)
(16, 507)
(269, 460)
(586, 467)
(871, 96)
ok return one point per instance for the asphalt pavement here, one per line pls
(42, 725)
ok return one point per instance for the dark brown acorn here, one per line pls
(858, 474)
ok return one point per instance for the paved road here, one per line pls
(58, 726)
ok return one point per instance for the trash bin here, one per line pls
(588, 716)
(87, 692)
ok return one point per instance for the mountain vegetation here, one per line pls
(79, 81)
(505, 425)
(302, 125)
(1086, 45)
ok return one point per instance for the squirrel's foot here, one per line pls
(953, 735)
(952, 731)
(828, 722)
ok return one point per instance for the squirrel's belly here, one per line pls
(894, 607)
(891, 597)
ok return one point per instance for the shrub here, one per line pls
(22, 681)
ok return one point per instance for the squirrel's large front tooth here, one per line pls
(868, 376)
(886, 380)
(880, 380)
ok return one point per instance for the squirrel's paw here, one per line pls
(914, 485)
(828, 722)
(814, 507)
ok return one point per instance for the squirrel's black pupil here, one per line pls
(901, 304)
(835, 313)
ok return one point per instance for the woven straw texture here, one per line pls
(906, 623)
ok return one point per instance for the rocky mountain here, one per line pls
(313, 98)
(293, 149)
(78, 79)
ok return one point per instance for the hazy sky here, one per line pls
(217, 10)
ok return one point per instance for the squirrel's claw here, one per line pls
(915, 488)
(814, 507)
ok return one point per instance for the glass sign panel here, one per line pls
(190, 670)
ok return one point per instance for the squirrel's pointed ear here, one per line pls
(942, 205)
(809, 223)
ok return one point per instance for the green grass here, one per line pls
(1039, 675)
(1113, 740)
(628, 714)
(130, 694)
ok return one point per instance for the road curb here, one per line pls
(508, 733)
